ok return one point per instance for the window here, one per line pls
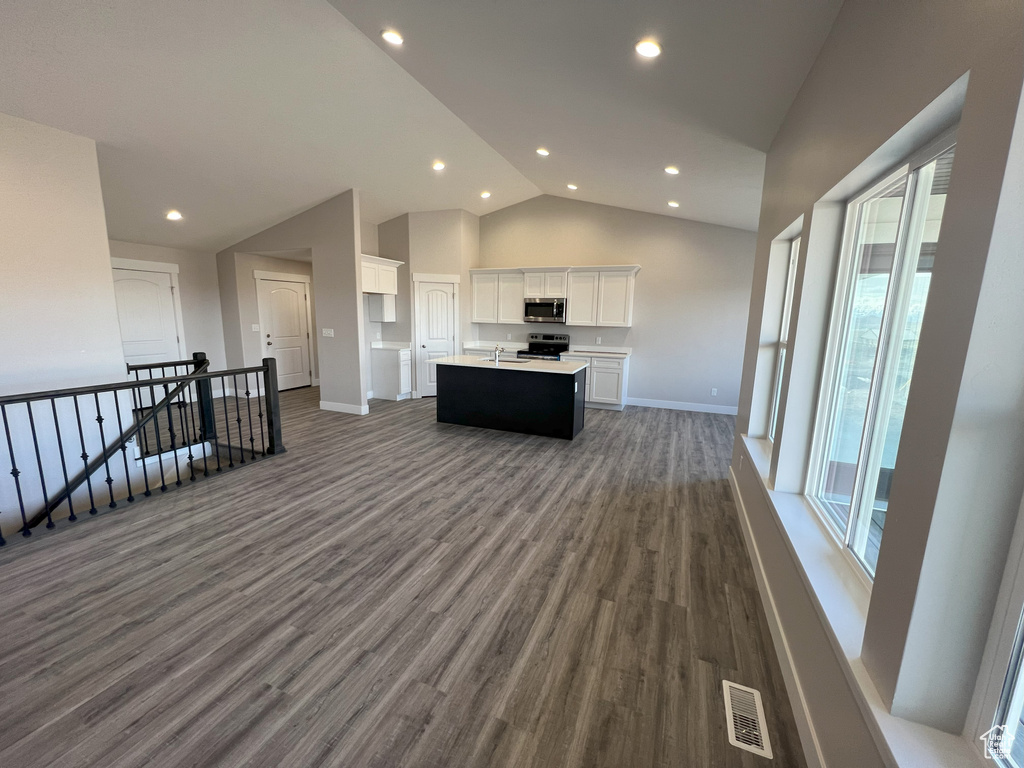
(780, 356)
(892, 231)
(1004, 743)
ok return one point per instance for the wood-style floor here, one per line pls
(395, 592)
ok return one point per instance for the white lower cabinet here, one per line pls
(606, 380)
(391, 373)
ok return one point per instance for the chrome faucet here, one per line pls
(497, 351)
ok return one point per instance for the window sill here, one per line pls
(840, 596)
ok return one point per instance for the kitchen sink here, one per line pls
(513, 362)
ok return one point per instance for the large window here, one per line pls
(889, 244)
(783, 345)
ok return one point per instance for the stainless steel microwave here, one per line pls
(544, 311)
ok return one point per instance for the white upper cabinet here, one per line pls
(615, 299)
(593, 296)
(380, 275)
(510, 297)
(485, 298)
(581, 298)
(545, 283)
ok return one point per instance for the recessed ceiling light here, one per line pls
(174, 215)
(673, 204)
(542, 152)
(485, 195)
(572, 186)
(391, 36)
(438, 165)
(648, 48)
(672, 170)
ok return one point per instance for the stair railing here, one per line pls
(169, 429)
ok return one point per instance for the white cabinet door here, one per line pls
(555, 285)
(387, 279)
(581, 298)
(605, 385)
(615, 299)
(534, 287)
(510, 297)
(485, 298)
(405, 375)
(370, 281)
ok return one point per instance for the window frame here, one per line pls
(837, 339)
(782, 345)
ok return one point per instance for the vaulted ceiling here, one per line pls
(240, 113)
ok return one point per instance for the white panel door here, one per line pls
(285, 335)
(485, 298)
(581, 299)
(615, 299)
(146, 314)
(435, 331)
(510, 298)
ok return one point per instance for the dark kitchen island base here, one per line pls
(532, 402)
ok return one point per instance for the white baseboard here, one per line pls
(405, 396)
(797, 700)
(355, 410)
(676, 405)
(369, 395)
(316, 381)
(605, 406)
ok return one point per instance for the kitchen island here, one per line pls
(536, 397)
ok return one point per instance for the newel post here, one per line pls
(276, 445)
(204, 393)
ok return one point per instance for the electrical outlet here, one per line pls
(598, 339)
(328, 332)
(256, 327)
(714, 392)
(378, 335)
(508, 337)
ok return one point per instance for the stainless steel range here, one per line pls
(545, 346)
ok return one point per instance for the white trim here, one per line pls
(316, 381)
(678, 405)
(404, 396)
(285, 277)
(166, 268)
(416, 395)
(798, 702)
(380, 260)
(426, 277)
(144, 266)
(355, 410)
(369, 395)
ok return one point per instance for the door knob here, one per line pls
(270, 343)
(423, 345)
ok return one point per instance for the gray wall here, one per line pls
(368, 239)
(394, 244)
(332, 231)
(199, 295)
(878, 82)
(691, 299)
(55, 260)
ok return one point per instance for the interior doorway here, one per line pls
(148, 311)
(286, 326)
(436, 330)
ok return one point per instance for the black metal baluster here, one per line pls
(184, 431)
(124, 448)
(248, 408)
(227, 421)
(63, 464)
(196, 436)
(103, 450)
(16, 473)
(259, 404)
(144, 440)
(85, 457)
(238, 421)
(170, 429)
(39, 463)
(156, 431)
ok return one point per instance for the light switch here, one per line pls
(328, 332)
(598, 339)
(256, 327)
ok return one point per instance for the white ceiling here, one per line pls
(240, 113)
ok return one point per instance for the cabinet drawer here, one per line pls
(607, 362)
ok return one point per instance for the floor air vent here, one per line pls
(745, 714)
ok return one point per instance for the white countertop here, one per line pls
(534, 366)
(394, 345)
(587, 350)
